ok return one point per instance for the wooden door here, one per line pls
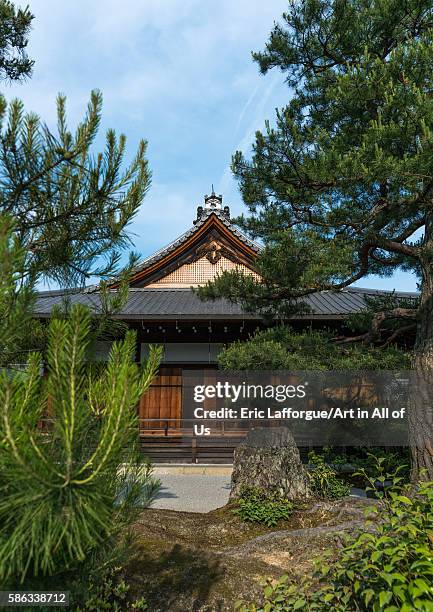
(160, 408)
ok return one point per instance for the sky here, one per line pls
(177, 73)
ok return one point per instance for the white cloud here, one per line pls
(155, 47)
(256, 116)
(177, 72)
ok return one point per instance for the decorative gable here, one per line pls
(211, 246)
(199, 272)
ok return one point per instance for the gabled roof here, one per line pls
(186, 236)
(211, 236)
(171, 304)
(212, 225)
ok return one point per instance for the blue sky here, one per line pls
(175, 72)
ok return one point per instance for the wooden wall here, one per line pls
(162, 400)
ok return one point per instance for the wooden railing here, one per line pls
(182, 445)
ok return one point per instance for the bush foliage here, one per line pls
(255, 505)
(387, 567)
(110, 592)
(283, 348)
(323, 479)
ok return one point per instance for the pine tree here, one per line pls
(68, 490)
(20, 332)
(342, 185)
(71, 207)
(17, 330)
(15, 26)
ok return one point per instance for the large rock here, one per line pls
(269, 459)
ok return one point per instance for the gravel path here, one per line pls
(192, 492)
(195, 492)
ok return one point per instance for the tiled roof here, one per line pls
(164, 303)
(155, 257)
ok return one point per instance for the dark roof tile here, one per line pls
(185, 304)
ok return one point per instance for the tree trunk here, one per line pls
(421, 409)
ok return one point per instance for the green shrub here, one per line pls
(331, 456)
(366, 457)
(258, 506)
(323, 479)
(388, 567)
(390, 461)
(283, 348)
(110, 592)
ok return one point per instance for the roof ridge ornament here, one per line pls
(212, 203)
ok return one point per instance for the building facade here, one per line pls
(163, 308)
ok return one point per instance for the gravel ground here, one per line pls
(192, 492)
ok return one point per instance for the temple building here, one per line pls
(163, 308)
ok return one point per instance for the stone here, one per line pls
(269, 459)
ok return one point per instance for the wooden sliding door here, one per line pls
(160, 408)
